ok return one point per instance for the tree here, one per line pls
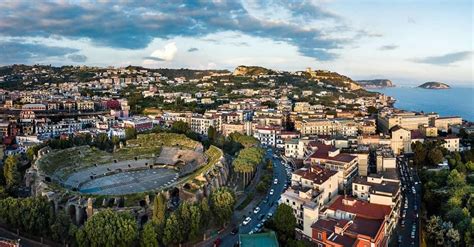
(222, 204)
(148, 237)
(372, 110)
(433, 227)
(159, 209)
(173, 232)
(284, 221)
(108, 228)
(60, 229)
(456, 179)
(130, 133)
(435, 156)
(180, 127)
(195, 223)
(205, 212)
(11, 173)
(469, 166)
(420, 153)
(212, 134)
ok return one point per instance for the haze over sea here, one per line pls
(456, 101)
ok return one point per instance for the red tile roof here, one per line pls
(322, 152)
(316, 174)
(367, 227)
(361, 208)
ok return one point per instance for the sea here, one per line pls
(456, 101)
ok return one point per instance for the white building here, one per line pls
(311, 189)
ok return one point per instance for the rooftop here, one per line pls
(360, 208)
(316, 174)
(384, 186)
(322, 152)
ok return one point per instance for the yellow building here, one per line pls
(401, 140)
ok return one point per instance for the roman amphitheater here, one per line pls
(152, 162)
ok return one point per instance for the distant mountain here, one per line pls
(376, 83)
(434, 85)
(252, 70)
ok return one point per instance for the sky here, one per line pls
(406, 41)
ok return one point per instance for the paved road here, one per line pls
(410, 207)
(267, 204)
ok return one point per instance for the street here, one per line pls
(267, 205)
(407, 231)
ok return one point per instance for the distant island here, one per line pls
(376, 83)
(434, 85)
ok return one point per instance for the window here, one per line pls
(355, 187)
(320, 236)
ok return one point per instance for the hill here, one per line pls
(376, 83)
(434, 85)
(251, 71)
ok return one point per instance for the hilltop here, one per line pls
(376, 83)
(434, 85)
(243, 70)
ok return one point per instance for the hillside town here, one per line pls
(345, 160)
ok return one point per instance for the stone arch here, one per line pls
(71, 211)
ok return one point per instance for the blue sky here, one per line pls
(406, 41)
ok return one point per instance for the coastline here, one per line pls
(457, 101)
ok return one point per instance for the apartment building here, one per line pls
(201, 123)
(267, 135)
(65, 126)
(229, 128)
(385, 159)
(311, 188)
(406, 120)
(140, 124)
(443, 123)
(315, 127)
(377, 189)
(352, 222)
(331, 157)
(451, 143)
(85, 105)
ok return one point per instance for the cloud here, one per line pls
(388, 47)
(446, 59)
(166, 54)
(193, 49)
(133, 25)
(154, 58)
(77, 58)
(19, 52)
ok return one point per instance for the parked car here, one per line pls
(246, 221)
(256, 210)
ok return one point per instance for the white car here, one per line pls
(256, 210)
(271, 191)
(275, 181)
(246, 221)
